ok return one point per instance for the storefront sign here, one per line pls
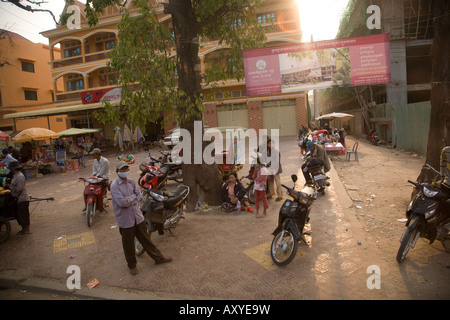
(94, 96)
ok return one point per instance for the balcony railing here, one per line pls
(67, 62)
(69, 96)
(79, 59)
(97, 56)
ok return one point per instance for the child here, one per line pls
(232, 192)
(260, 178)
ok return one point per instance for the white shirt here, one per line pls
(101, 168)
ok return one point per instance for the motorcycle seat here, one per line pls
(171, 165)
(174, 197)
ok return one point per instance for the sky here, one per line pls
(318, 17)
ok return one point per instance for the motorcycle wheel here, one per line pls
(408, 240)
(5, 229)
(90, 211)
(251, 194)
(284, 248)
(139, 249)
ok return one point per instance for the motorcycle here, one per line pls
(293, 216)
(162, 211)
(94, 196)
(166, 171)
(373, 137)
(303, 139)
(319, 178)
(427, 217)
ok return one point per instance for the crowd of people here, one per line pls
(126, 195)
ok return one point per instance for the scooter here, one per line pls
(315, 169)
(152, 177)
(175, 170)
(373, 137)
(162, 211)
(428, 216)
(293, 216)
(95, 197)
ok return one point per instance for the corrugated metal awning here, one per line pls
(57, 110)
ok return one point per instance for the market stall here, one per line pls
(43, 157)
(78, 143)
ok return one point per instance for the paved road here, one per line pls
(216, 255)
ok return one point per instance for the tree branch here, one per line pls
(30, 9)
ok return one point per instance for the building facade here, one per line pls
(25, 84)
(82, 67)
(409, 24)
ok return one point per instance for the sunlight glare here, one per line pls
(320, 18)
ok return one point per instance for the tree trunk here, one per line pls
(439, 133)
(204, 180)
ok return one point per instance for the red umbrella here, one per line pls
(4, 136)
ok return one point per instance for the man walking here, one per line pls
(125, 198)
(19, 193)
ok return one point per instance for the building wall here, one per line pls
(14, 81)
(88, 63)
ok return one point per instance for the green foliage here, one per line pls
(146, 60)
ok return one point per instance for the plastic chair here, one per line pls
(354, 151)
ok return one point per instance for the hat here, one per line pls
(96, 151)
(121, 164)
(14, 165)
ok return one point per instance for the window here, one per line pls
(267, 18)
(75, 85)
(75, 82)
(107, 77)
(31, 95)
(105, 42)
(28, 66)
(72, 49)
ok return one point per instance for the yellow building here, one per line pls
(84, 72)
(26, 84)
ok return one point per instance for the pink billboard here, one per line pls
(318, 65)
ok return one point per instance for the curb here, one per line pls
(24, 280)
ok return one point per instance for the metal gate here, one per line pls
(230, 115)
(281, 115)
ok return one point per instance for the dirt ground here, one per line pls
(378, 187)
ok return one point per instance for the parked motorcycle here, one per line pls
(162, 211)
(95, 197)
(303, 139)
(428, 216)
(373, 137)
(315, 169)
(293, 216)
(166, 171)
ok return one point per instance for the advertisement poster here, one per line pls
(318, 65)
(94, 96)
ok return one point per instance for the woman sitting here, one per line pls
(232, 192)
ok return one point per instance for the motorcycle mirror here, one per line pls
(294, 178)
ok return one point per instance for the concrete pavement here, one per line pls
(216, 255)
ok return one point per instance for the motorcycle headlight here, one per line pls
(428, 193)
(303, 200)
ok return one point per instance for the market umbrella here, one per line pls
(338, 115)
(4, 136)
(77, 131)
(35, 134)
